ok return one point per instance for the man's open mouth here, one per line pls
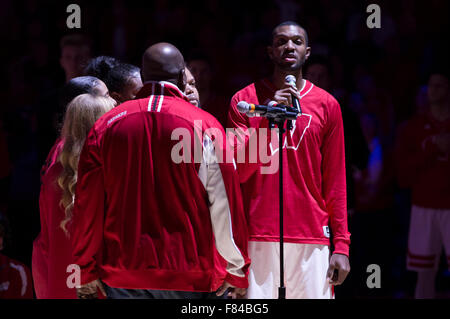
(289, 58)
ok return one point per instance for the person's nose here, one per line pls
(290, 45)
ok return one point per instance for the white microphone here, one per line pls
(272, 110)
(290, 79)
(251, 109)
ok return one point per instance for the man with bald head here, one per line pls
(163, 62)
(152, 219)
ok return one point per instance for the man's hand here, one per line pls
(235, 293)
(89, 290)
(284, 95)
(341, 265)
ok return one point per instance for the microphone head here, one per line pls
(243, 107)
(290, 79)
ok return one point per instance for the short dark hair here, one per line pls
(100, 66)
(77, 86)
(286, 23)
(119, 75)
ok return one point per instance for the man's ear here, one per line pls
(307, 53)
(182, 80)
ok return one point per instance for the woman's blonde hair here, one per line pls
(81, 114)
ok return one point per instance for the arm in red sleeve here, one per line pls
(240, 140)
(333, 177)
(226, 209)
(235, 118)
(43, 210)
(238, 222)
(88, 213)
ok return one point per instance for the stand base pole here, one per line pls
(281, 292)
(281, 289)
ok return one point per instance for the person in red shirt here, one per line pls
(147, 223)
(314, 180)
(15, 277)
(423, 165)
(52, 248)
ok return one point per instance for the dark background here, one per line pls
(379, 74)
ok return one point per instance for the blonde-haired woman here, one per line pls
(52, 249)
(81, 115)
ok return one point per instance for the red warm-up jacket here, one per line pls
(313, 169)
(154, 208)
(52, 250)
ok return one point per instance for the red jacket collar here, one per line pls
(160, 88)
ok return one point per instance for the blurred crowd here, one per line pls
(379, 76)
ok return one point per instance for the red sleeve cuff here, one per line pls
(88, 276)
(239, 282)
(341, 246)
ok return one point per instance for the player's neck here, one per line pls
(279, 76)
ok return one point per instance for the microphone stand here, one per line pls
(281, 130)
(278, 115)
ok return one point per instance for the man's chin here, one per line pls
(290, 66)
